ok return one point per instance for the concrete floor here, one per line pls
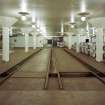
(52, 98)
(83, 84)
(16, 57)
(36, 66)
(25, 87)
(89, 60)
(66, 63)
(30, 75)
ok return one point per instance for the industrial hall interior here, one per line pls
(52, 52)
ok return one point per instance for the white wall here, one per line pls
(82, 38)
(74, 39)
(66, 41)
(20, 41)
(39, 41)
(98, 22)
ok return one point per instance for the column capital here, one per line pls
(7, 21)
(98, 22)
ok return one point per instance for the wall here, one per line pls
(19, 41)
(66, 41)
(39, 41)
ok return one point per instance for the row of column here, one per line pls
(99, 44)
(27, 42)
(5, 43)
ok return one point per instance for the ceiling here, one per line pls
(51, 12)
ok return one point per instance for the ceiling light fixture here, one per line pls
(33, 17)
(33, 26)
(23, 15)
(23, 5)
(23, 18)
(38, 24)
(83, 18)
(38, 30)
(83, 6)
(72, 24)
(62, 29)
(83, 15)
(72, 19)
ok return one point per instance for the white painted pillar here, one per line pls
(62, 29)
(99, 45)
(26, 42)
(5, 23)
(10, 31)
(5, 53)
(34, 41)
(78, 44)
(70, 41)
(26, 32)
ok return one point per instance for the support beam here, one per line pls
(99, 44)
(70, 41)
(26, 31)
(5, 56)
(26, 42)
(34, 41)
(78, 44)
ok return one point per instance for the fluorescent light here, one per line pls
(23, 33)
(72, 19)
(38, 30)
(83, 6)
(83, 18)
(72, 26)
(33, 26)
(33, 17)
(62, 28)
(23, 5)
(23, 17)
(87, 27)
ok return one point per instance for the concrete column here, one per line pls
(10, 31)
(34, 41)
(62, 29)
(70, 41)
(5, 23)
(5, 53)
(26, 32)
(26, 42)
(78, 44)
(99, 44)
